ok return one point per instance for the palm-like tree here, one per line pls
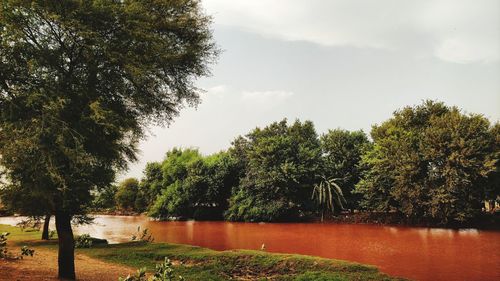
(328, 196)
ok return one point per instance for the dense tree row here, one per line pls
(432, 162)
(429, 162)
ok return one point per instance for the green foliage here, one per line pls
(328, 196)
(3, 244)
(105, 198)
(26, 251)
(342, 152)
(430, 162)
(140, 275)
(74, 104)
(192, 186)
(281, 162)
(83, 241)
(163, 272)
(127, 193)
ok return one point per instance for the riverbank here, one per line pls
(486, 221)
(197, 263)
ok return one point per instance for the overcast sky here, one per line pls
(346, 64)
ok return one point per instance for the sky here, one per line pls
(341, 64)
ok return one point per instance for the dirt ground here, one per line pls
(43, 266)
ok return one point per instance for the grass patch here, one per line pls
(196, 263)
(16, 234)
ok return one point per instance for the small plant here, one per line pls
(25, 251)
(140, 275)
(163, 272)
(52, 233)
(143, 236)
(3, 244)
(83, 241)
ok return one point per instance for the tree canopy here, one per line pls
(432, 162)
(282, 165)
(79, 82)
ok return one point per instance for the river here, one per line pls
(411, 252)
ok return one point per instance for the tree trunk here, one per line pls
(66, 258)
(45, 233)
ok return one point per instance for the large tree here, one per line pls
(282, 165)
(431, 162)
(79, 81)
(191, 185)
(342, 151)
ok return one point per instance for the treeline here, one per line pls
(429, 163)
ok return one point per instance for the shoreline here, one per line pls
(198, 263)
(487, 221)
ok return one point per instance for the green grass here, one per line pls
(196, 263)
(16, 234)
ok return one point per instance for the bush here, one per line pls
(3, 244)
(86, 241)
(25, 251)
(83, 241)
(143, 236)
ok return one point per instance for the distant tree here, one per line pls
(328, 196)
(79, 81)
(342, 151)
(195, 186)
(430, 162)
(178, 193)
(281, 165)
(105, 198)
(223, 174)
(152, 183)
(127, 193)
(492, 186)
(176, 164)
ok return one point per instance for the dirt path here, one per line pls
(43, 266)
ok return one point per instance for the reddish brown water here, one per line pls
(416, 253)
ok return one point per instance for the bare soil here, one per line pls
(43, 266)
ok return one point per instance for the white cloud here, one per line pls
(266, 97)
(451, 30)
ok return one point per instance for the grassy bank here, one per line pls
(196, 263)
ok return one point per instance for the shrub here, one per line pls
(163, 272)
(143, 236)
(3, 244)
(25, 251)
(83, 241)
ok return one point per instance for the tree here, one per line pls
(127, 194)
(342, 151)
(282, 162)
(29, 204)
(79, 81)
(105, 198)
(329, 197)
(152, 183)
(430, 162)
(177, 193)
(195, 186)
